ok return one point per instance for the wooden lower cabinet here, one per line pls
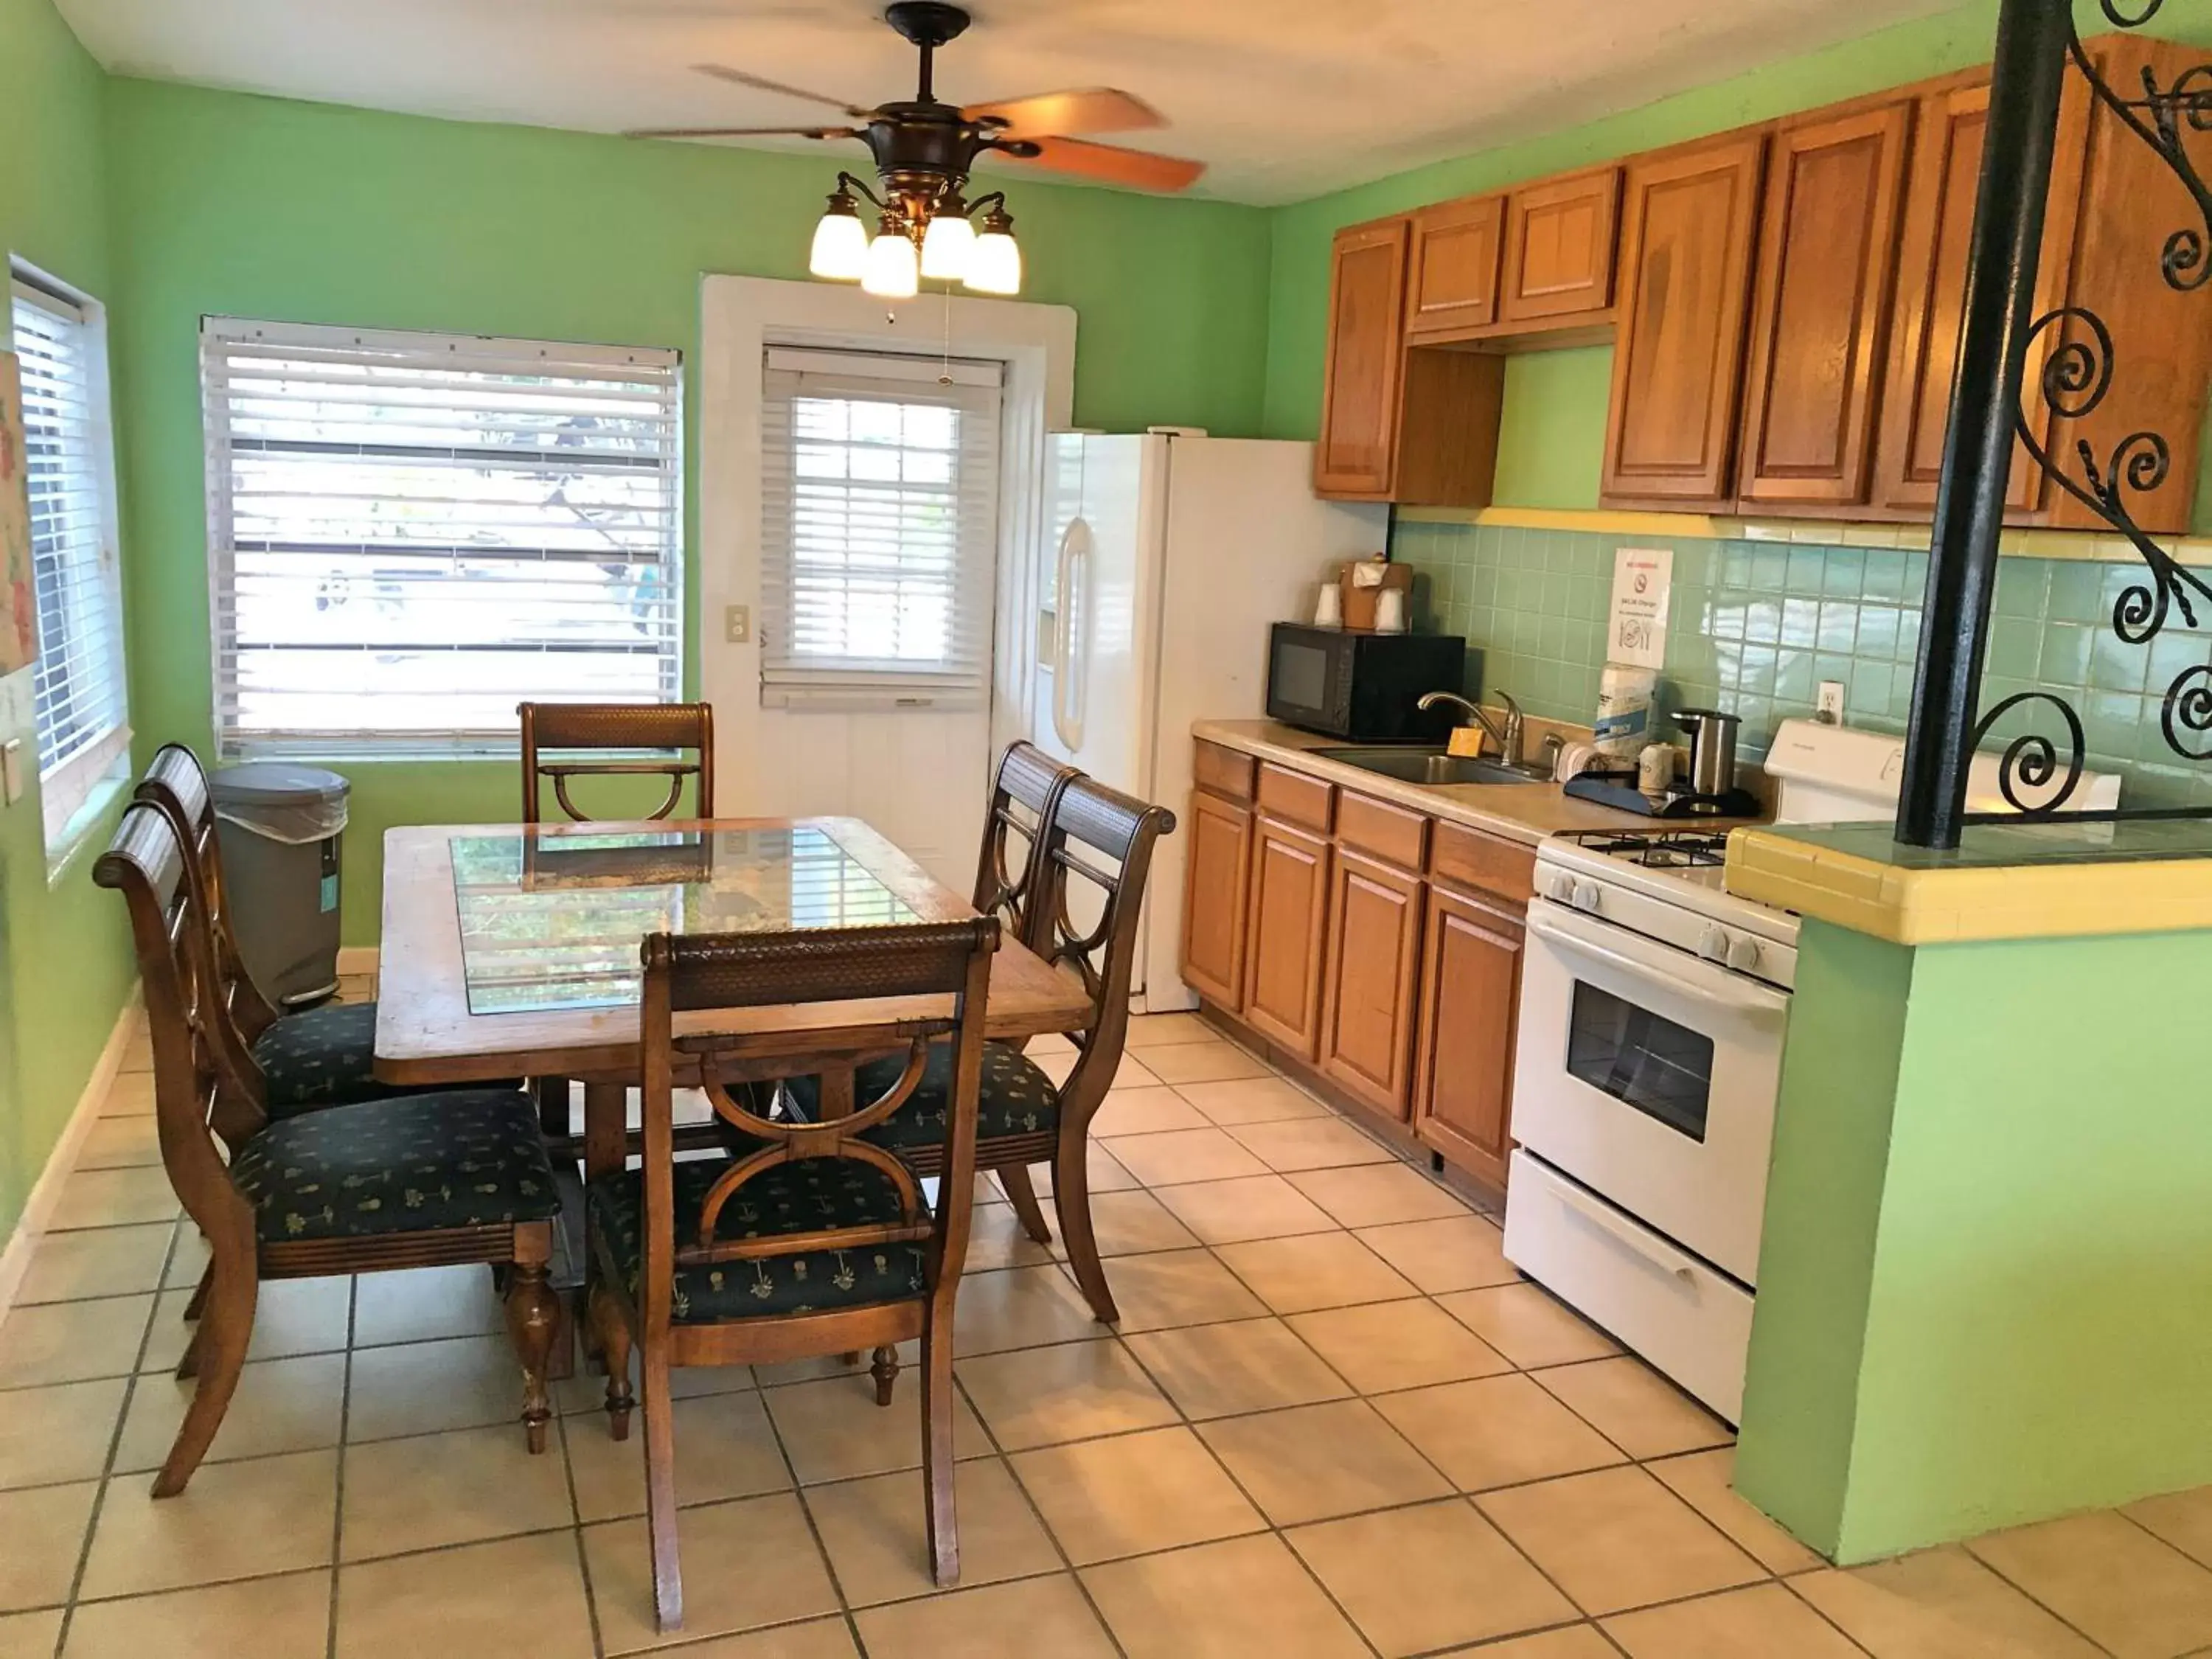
(1374, 950)
(1470, 984)
(1216, 868)
(1287, 918)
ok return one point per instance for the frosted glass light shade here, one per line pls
(945, 246)
(994, 263)
(890, 272)
(841, 246)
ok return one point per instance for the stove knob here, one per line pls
(1713, 945)
(1587, 897)
(1559, 887)
(1743, 955)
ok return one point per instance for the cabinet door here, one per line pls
(1285, 920)
(1374, 944)
(1827, 258)
(1560, 247)
(1463, 1076)
(1217, 862)
(1359, 397)
(1686, 227)
(1455, 251)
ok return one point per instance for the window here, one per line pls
(879, 495)
(409, 534)
(81, 707)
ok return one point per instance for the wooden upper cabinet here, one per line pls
(1286, 918)
(1931, 288)
(1456, 247)
(1216, 865)
(1827, 252)
(1366, 1043)
(1470, 985)
(1357, 453)
(1560, 248)
(1687, 220)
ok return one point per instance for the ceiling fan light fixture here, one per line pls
(994, 262)
(891, 269)
(840, 241)
(948, 244)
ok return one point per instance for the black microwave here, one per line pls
(1363, 686)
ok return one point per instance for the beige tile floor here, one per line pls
(1334, 1421)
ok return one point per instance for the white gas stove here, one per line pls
(1647, 1061)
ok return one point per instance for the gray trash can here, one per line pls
(279, 826)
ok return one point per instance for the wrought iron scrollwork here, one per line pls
(2159, 117)
(2031, 760)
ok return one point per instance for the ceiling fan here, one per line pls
(923, 151)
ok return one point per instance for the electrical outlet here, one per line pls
(736, 624)
(1830, 707)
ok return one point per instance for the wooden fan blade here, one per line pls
(1086, 109)
(740, 77)
(1111, 164)
(742, 132)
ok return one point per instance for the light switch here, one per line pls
(11, 770)
(736, 624)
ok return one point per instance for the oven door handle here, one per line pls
(1663, 1256)
(1546, 924)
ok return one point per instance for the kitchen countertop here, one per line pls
(1525, 812)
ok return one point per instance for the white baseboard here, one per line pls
(357, 959)
(46, 1192)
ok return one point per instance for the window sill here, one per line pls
(81, 830)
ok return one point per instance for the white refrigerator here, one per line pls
(1164, 558)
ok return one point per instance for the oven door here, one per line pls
(1650, 1075)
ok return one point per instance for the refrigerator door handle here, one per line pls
(1072, 628)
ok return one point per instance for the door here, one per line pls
(1457, 247)
(1469, 993)
(1944, 183)
(1827, 259)
(1560, 247)
(1218, 860)
(1284, 919)
(1686, 225)
(1374, 947)
(1359, 395)
(1649, 1076)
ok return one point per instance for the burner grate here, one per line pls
(1681, 849)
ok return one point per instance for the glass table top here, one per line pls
(554, 921)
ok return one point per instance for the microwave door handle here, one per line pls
(1663, 1256)
(1744, 1002)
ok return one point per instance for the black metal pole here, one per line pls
(1978, 448)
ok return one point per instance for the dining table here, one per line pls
(511, 950)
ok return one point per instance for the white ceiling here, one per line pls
(1282, 99)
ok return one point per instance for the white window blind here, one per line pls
(81, 703)
(411, 533)
(879, 498)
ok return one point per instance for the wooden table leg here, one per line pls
(836, 1097)
(606, 1106)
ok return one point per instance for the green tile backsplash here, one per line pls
(1755, 626)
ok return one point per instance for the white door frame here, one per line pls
(740, 318)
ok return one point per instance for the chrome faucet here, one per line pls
(1507, 737)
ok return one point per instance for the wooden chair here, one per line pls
(583, 726)
(576, 728)
(812, 1239)
(300, 1061)
(430, 1181)
(1094, 853)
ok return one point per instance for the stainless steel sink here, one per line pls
(1430, 765)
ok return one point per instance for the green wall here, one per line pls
(258, 207)
(66, 964)
(1988, 1258)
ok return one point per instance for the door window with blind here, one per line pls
(879, 498)
(411, 533)
(81, 705)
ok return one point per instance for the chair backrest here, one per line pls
(1012, 868)
(202, 1094)
(179, 783)
(699, 974)
(573, 726)
(1097, 854)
